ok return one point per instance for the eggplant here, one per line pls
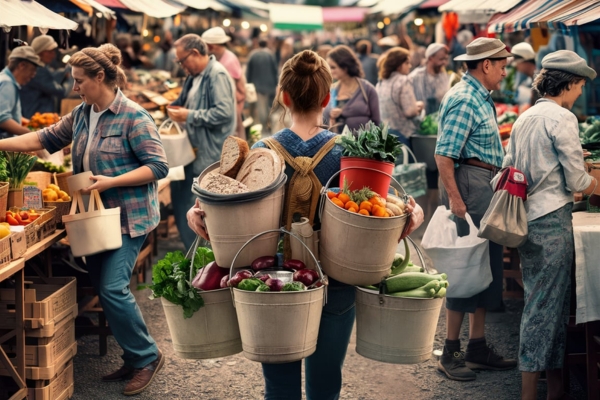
(238, 277)
(306, 276)
(264, 277)
(209, 277)
(293, 264)
(265, 262)
(274, 284)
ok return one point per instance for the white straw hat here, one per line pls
(215, 35)
(482, 48)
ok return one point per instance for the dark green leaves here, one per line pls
(171, 279)
(18, 166)
(370, 141)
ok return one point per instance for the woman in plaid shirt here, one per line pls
(118, 142)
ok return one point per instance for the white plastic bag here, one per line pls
(466, 260)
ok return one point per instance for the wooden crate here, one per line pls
(47, 226)
(59, 388)
(50, 371)
(46, 352)
(18, 244)
(47, 301)
(5, 255)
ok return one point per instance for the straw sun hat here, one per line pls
(215, 35)
(482, 48)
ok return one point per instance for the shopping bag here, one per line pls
(505, 220)
(251, 96)
(412, 177)
(93, 231)
(466, 259)
(176, 144)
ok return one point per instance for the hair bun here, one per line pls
(112, 53)
(307, 63)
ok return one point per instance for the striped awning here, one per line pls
(344, 14)
(152, 8)
(552, 14)
(31, 13)
(296, 17)
(487, 6)
(90, 5)
(393, 7)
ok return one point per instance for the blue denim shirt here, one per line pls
(10, 102)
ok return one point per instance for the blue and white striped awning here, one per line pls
(552, 14)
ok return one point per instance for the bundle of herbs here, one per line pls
(171, 279)
(3, 171)
(370, 141)
(18, 165)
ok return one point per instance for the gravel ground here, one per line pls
(235, 377)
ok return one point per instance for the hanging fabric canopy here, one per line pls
(252, 8)
(296, 17)
(152, 8)
(389, 7)
(205, 4)
(553, 14)
(31, 13)
(477, 12)
(344, 14)
(94, 5)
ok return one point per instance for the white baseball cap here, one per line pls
(523, 52)
(215, 35)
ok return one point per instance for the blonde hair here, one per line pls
(307, 79)
(392, 60)
(105, 58)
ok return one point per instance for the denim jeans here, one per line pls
(110, 273)
(323, 368)
(182, 200)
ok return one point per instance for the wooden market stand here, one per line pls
(16, 268)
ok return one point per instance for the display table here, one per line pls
(16, 268)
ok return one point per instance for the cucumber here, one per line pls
(433, 284)
(401, 262)
(417, 293)
(441, 293)
(414, 268)
(409, 281)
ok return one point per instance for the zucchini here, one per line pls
(418, 293)
(433, 284)
(399, 267)
(441, 293)
(409, 281)
(414, 268)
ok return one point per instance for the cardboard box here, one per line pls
(18, 243)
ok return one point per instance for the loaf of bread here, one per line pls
(215, 182)
(233, 155)
(261, 168)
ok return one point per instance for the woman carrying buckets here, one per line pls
(304, 91)
(118, 142)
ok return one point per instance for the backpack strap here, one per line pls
(304, 188)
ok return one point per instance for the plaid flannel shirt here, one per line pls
(125, 139)
(467, 124)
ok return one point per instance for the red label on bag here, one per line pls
(514, 182)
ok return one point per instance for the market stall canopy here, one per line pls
(344, 14)
(94, 5)
(296, 17)
(152, 8)
(553, 14)
(252, 7)
(392, 7)
(205, 5)
(433, 3)
(31, 13)
(470, 11)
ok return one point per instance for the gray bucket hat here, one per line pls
(482, 48)
(568, 61)
(26, 53)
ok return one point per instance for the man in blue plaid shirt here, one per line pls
(468, 154)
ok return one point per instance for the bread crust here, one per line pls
(261, 168)
(231, 169)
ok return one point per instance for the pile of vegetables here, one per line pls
(409, 280)
(18, 166)
(170, 279)
(366, 202)
(259, 280)
(370, 141)
(3, 171)
(47, 166)
(429, 125)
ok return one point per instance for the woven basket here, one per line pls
(3, 198)
(62, 208)
(61, 180)
(41, 178)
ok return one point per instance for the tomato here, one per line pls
(11, 220)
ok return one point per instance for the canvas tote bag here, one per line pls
(505, 220)
(93, 231)
(176, 144)
(466, 259)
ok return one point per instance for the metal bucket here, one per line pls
(210, 333)
(357, 249)
(394, 329)
(232, 223)
(279, 327)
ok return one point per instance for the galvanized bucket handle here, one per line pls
(326, 187)
(193, 250)
(420, 254)
(322, 277)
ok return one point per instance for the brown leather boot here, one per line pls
(121, 374)
(142, 377)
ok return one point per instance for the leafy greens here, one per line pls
(370, 141)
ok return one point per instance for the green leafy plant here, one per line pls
(370, 141)
(171, 279)
(18, 166)
(429, 125)
(3, 171)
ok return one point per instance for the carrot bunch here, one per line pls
(42, 120)
(373, 206)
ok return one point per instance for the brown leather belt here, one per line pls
(480, 164)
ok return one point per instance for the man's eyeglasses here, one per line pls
(180, 62)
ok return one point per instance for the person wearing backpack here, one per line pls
(312, 158)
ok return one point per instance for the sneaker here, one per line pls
(485, 357)
(453, 365)
(142, 377)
